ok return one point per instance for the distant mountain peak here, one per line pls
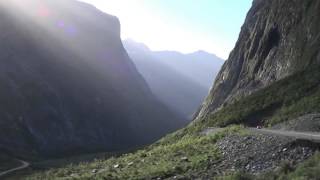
(201, 52)
(204, 53)
(189, 75)
(128, 43)
(131, 44)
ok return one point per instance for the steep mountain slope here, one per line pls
(179, 91)
(272, 76)
(68, 85)
(277, 39)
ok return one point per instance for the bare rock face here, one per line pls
(278, 38)
(67, 85)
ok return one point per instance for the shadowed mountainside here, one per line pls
(68, 85)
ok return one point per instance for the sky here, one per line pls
(180, 25)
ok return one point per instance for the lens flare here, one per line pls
(43, 11)
(61, 24)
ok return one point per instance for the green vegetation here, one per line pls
(286, 99)
(306, 170)
(61, 162)
(186, 153)
(186, 156)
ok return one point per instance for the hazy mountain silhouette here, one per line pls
(181, 81)
(67, 83)
(200, 66)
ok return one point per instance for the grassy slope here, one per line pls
(286, 99)
(160, 160)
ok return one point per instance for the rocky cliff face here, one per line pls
(68, 85)
(279, 38)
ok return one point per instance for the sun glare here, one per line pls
(142, 24)
(138, 22)
(34, 9)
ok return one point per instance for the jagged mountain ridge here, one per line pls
(181, 83)
(68, 85)
(278, 39)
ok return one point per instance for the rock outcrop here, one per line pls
(278, 39)
(67, 84)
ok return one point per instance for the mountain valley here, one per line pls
(260, 120)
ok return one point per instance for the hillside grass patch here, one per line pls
(167, 158)
(284, 100)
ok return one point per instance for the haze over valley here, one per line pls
(181, 81)
(159, 89)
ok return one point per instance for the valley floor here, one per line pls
(223, 153)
